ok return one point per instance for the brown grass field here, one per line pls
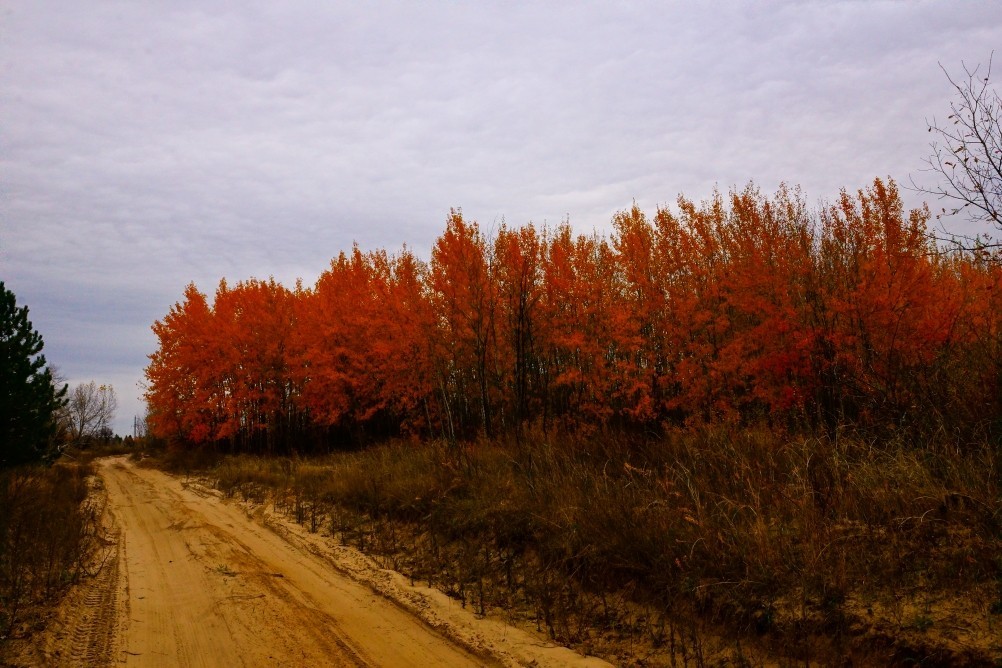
(709, 548)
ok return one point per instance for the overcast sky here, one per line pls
(144, 145)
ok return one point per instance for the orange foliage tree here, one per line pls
(517, 273)
(744, 307)
(464, 299)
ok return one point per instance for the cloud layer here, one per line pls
(146, 145)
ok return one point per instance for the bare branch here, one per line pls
(966, 154)
(90, 411)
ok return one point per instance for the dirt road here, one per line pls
(191, 580)
(198, 583)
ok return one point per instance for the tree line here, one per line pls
(743, 308)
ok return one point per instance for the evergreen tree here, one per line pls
(28, 395)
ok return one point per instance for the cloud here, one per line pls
(146, 145)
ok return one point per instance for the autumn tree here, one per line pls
(517, 273)
(742, 308)
(875, 293)
(465, 302)
(767, 243)
(698, 263)
(403, 343)
(250, 339)
(584, 347)
(184, 407)
(337, 324)
(646, 312)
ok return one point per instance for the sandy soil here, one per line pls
(191, 580)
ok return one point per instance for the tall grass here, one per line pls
(48, 528)
(786, 541)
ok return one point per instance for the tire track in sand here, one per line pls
(93, 632)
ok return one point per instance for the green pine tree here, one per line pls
(28, 397)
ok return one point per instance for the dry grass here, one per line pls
(717, 545)
(48, 529)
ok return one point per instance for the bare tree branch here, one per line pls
(90, 411)
(967, 156)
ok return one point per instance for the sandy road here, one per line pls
(195, 582)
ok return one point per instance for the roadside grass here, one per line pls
(699, 547)
(49, 527)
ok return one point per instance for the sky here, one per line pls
(145, 145)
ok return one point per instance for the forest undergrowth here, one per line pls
(715, 546)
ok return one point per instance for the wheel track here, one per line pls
(94, 632)
(85, 628)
